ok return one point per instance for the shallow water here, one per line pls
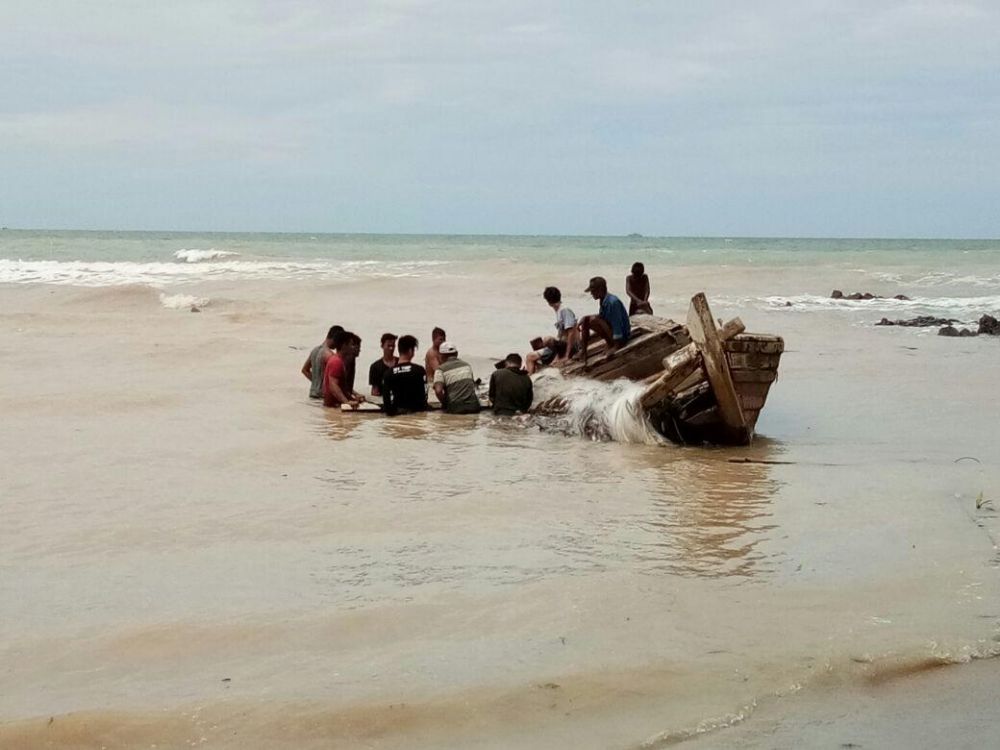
(191, 549)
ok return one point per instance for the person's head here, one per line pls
(407, 345)
(354, 349)
(513, 361)
(388, 344)
(597, 287)
(638, 269)
(552, 295)
(334, 330)
(447, 351)
(438, 336)
(342, 341)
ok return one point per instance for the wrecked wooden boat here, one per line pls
(704, 383)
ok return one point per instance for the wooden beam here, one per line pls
(678, 366)
(733, 328)
(701, 326)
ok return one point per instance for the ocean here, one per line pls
(195, 554)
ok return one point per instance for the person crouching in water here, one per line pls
(404, 386)
(611, 322)
(337, 388)
(455, 383)
(511, 390)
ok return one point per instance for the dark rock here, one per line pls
(788, 304)
(195, 308)
(989, 326)
(952, 331)
(924, 321)
(837, 294)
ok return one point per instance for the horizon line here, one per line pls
(633, 235)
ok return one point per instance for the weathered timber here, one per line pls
(732, 328)
(753, 376)
(701, 328)
(679, 366)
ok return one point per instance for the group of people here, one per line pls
(402, 384)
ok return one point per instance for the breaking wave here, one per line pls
(197, 256)
(182, 301)
(593, 409)
(964, 308)
(107, 273)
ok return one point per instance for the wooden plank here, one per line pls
(774, 345)
(752, 361)
(754, 376)
(733, 328)
(678, 366)
(701, 327)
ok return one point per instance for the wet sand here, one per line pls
(195, 554)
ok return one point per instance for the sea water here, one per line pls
(193, 552)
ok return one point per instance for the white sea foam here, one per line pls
(964, 308)
(599, 411)
(197, 256)
(103, 273)
(182, 301)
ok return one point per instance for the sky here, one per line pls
(830, 118)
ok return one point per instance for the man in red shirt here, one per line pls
(337, 388)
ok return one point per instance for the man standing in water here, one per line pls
(511, 390)
(455, 383)
(336, 378)
(404, 387)
(432, 360)
(382, 365)
(637, 289)
(611, 322)
(315, 364)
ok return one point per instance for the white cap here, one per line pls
(448, 348)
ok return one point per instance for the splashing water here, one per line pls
(594, 409)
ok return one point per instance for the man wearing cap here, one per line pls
(510, 388)
(611, 322)
(455, 383)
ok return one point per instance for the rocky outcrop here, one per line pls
(924, 321)
(988, 326)
(837, 294)
(952, 331)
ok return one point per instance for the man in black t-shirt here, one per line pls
(382, 365)
(404, 387)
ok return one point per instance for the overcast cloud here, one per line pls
(808, 118)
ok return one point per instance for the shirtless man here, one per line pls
(637, 289)
(432, 359)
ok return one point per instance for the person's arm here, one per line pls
(336, 390)
(388, 400)
(373, 378)
(439, 388)
(493, 387)
(307, 368)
